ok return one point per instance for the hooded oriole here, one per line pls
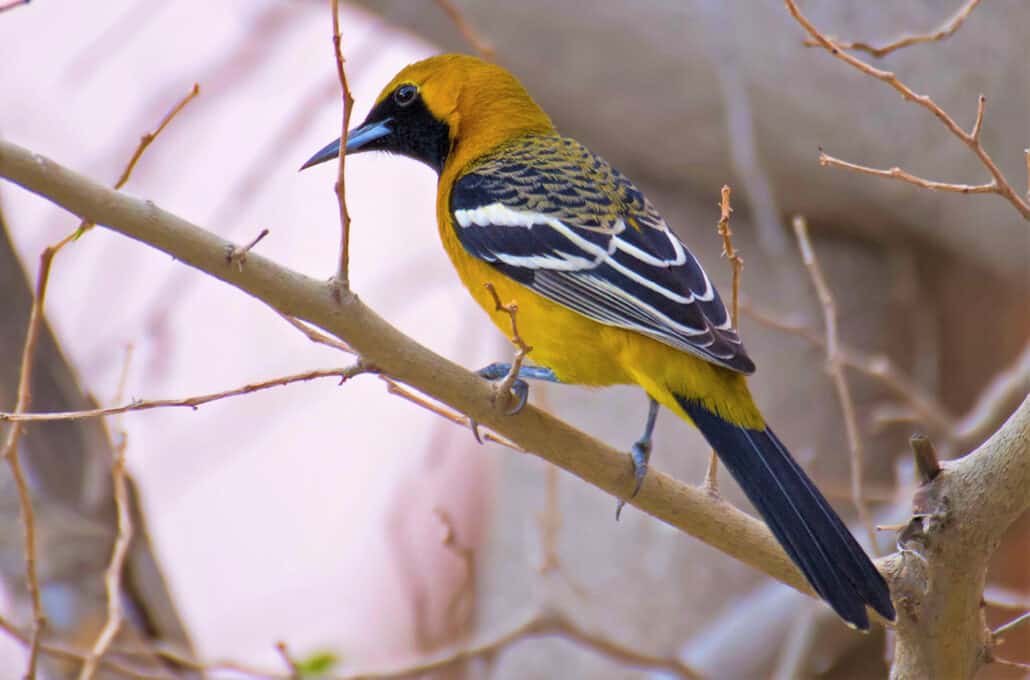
(606, 293)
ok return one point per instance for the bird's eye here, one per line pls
(405, 94)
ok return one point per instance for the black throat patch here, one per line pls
(415, 132)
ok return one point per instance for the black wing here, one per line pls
(557, 218)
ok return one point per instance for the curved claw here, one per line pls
(520, 388)
(639, 453)
(474, 425)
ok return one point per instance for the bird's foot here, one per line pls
(639, 453)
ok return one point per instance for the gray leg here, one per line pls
(640, 453)
(520, 387)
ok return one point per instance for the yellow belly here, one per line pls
(581, 351)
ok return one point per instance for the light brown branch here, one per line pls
(67, 653)
(11, 454)
(340, 187)
(938, 581)
(471, 35)
(692, 510)
(711, 483)
(994, 403)
(193, 402)
(897, 173)
(970, 139)
(394, 388)
(840, 381)
(521, 348)
(540, 625)
(113, 573)
(144, 142)
(945, 31)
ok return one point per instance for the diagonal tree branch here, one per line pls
(714, 521)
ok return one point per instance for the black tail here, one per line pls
(798, 515)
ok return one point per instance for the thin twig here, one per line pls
(394, 388)
(540, 625)
(995, 402)
(945, 31)
(12, 456)
(521, 348)
(923, 406)
(315, 336)
(991, 187)
(284, 653)
(343, 270)
(1011, 625)
(66, 653)
(237, 255)
(711, 483)
(193, 402)
(840, 382)
(970, 139)
(113, 574)
(145, 141)
(482, 47)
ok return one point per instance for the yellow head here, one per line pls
(445, 110)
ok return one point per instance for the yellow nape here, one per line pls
(483, 104)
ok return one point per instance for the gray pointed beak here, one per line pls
(356, 139)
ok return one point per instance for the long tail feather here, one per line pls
(802, 520)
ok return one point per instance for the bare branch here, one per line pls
(11, 453)
(995, 402)
(521, 348)
(144, 142)
(392, 387)
(938, 581)
(471, 35)
(717, 523)
(970, 139)
(945, 31)
(540, 625)
(113, 573)
(343, 270)
(711, 483)
(1001, 630)
(840, 381)
(897, 173)
(194, 402)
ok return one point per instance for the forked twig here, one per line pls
(840, 381)
(340, 187)
(711, 483)
(521, 348)
(113, 573)
(471, 35)
(945, 31)
(998, 185)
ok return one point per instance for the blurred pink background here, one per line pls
(318, 489)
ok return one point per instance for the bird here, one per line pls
(606, 293)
